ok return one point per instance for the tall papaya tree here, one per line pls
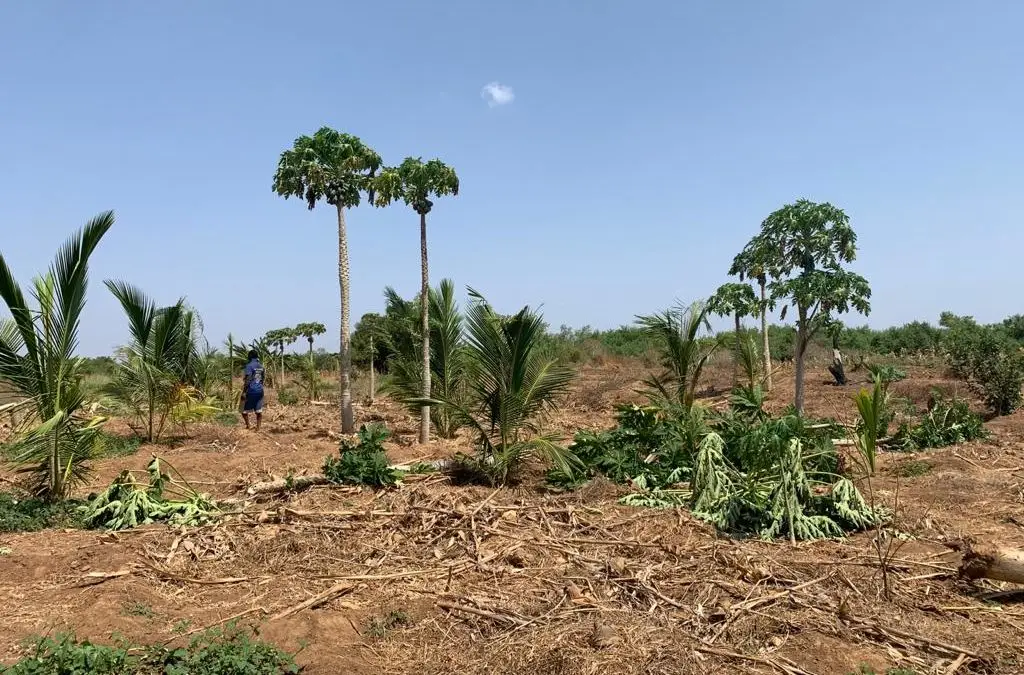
(810, 244)
(415, 182)
(335, 168)
(37, 360)
(280, 338)
(310, 330)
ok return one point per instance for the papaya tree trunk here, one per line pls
(373, 372)
(345, 360)
(231, 367)
(767, 356)
(425, 327)
(800, 353)
(736, 355)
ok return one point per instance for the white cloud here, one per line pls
(497, 94)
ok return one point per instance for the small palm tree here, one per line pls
(310, 330)
(510, 387)
(447, 362)
(37, 360)
(335, 168)
(415, 182)
(684, 353)
(160, 367)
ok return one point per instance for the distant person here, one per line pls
(837, 370)
(252, 389)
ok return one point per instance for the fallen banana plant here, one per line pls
(126, 503)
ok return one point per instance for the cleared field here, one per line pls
(438, 578)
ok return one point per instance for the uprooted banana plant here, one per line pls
(126, 503)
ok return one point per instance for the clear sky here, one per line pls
(629, 151)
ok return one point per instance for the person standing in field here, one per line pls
(252, 389)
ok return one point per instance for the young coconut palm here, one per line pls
(447, 362)
(510, 386)
(684, 354)
(158, 370)
(37, 360)
(415, 182)
(335, 168)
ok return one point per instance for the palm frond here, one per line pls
(37, 347)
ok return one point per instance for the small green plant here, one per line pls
(874, 421)
(118, 446)
(136, 608)
(868, 670)
(380, 626)
(912, 469)
(885, 372)
(948, 422)
(126, 503)
(363, 463)
(33, 514)
(226, 651)
(287, 397)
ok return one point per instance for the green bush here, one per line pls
(948, 422)
(988, 359)
(226, 651)
(363, 463)
(32, 515)
(287, 397)
(118, 446)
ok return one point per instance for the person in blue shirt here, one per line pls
(252, 389)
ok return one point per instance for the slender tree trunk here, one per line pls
(800, 352)
(152, 403)
(767, 356)
(373, 373)
(736, 355)
(425, 327)
(231, 367)
(312, 373)
(348, 423)
(56, 478)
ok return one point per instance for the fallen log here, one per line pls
(992, 562)
(285, 484)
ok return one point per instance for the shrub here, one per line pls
(118, 446)
(32, 514)
(989, 360)
(885, 372)
(226, 651)
(363, 463)
(948, 422)
(287, 397)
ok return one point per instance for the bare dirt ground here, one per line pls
(435, 578)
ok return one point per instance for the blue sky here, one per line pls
(643, 144)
